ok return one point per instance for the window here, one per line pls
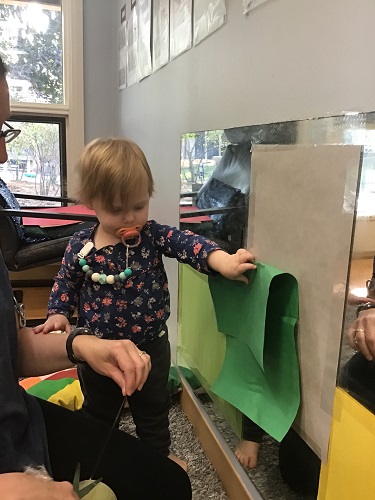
(36, 163)
(41, 42)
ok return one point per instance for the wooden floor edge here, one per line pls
(236, 482)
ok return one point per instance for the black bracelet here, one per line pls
(69, 343)
(364, 307)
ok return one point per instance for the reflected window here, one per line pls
(200, 154)
(215, 184)
(366, 198)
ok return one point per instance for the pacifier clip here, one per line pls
(110, 279)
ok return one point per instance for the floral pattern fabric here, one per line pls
(137, 307)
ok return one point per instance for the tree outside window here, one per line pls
(31, 44)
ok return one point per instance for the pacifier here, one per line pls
(130, 233)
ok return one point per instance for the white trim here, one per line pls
(72, 11)
(26, 108)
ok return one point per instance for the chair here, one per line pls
(25, 249)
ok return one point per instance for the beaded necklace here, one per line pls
(110, 279)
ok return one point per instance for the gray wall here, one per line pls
(100, 25)
(287, 60)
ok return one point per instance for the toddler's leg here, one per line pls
(150, 406)
(247, 450)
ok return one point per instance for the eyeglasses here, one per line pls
(10, 134)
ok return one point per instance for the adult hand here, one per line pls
(121, 360)
(21, 486)
(354, 300)
(232, 266)
(55, 322)
(361, 334)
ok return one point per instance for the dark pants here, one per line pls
(149, 407)
(251, 431)
(358, 378)
(132, 469)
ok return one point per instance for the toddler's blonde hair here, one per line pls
(111, 167)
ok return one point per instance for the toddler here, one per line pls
(113, 276)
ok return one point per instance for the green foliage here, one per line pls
(39, 141)
(195, 150)
(34, 55)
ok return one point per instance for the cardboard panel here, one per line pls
(302, 201)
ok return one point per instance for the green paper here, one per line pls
(241, 309)
(199, 341)
(201, 347)
(260, 374)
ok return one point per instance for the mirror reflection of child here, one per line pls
(113, 276)
(248, 449)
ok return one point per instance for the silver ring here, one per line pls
(359, 330)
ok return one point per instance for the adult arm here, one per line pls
(120, 360)
(361, 334)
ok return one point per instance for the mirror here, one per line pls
(356, 374)
(343, 129)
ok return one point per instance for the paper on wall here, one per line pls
(144, 38)
(209, 15)
(160, 30)
(249, 5)
(180, 26)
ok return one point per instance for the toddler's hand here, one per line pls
(239, 263)
(53, 323)
(232, 266)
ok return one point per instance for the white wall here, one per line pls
(100, 24)
(287, 60)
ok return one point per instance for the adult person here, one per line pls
(40, 434)
(361, 333)
(358, 374)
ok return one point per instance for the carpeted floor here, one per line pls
(205, 483)
(266, 477)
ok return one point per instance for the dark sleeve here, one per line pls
(185, 246)
(64, 296)
(22, 434)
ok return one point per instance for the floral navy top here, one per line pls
(137, 307)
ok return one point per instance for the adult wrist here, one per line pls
(365, 307)
(69, 343)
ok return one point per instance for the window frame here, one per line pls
(52, 119)
(72, 110)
